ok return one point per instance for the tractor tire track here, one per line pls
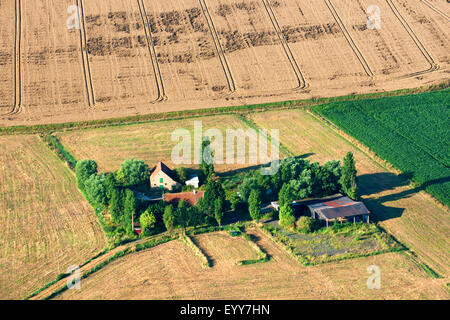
(218, 46)
(349, 39)
(433, 65)
(152, 51)
(85, 55)
(437, 10)
(285, 45)
(17, 106)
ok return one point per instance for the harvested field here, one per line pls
(223, 250)
(253, 47)
(7, 29)
(431, 26)
(172, 271)
(51, 73)
(410, 215)
(119, 53)
(47, 225)
(150, 142)
(139, 57)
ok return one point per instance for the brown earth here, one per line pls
(172, 271)
(47, 225)
(189, 54)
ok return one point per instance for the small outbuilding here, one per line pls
(193, 181)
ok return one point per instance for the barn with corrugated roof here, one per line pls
(339, 209)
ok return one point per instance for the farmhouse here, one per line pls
(162, 177)
(190, 197)
(339, 209)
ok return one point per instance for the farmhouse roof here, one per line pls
(190, 197)
(339, 208)
(160, 166)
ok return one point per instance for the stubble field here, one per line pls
(172, 271)
(150, 142)
(47, 225)
(138, 57)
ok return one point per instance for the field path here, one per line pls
(285, 45)
(85, 56)
(437, 10)
(17, 58)
(218, 46)
(349, 38)
(433, 65)
(151, 49)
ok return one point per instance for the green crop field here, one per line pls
(411, 132)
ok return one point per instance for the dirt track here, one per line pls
(139, 56)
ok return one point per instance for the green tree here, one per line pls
(133, 172)
(213, 191)
(247, 185)
(286, 194)
(235, 201)
(287, 217)
(348, 177)
(195, 217)
(116, 205)
(148, 222)
(129, 209)
(110, 185)
(95, 189)
(83, 170)
(254, 204)
(206, 159)
(182, 174)
(182, 215)
(169, 218)
(219, 210)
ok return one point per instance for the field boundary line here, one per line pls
(187, 240)
(437, 10)
(205, 112)
(349, 38)
(287, 50)
(153, 56)
(433, 65)
(99, 261)
(17, 104)
(218, 45)
(85, 55)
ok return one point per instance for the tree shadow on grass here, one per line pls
(381, 181)
(375, 183)
(249, 169)
(211, 261)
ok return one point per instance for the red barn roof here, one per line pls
(190, 197)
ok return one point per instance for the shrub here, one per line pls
(307, 224)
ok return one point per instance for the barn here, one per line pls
(339, 209)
